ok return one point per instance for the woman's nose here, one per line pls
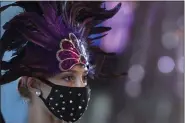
(79, 83)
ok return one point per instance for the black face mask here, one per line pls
(67, 103)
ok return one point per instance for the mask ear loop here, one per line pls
(39, 94)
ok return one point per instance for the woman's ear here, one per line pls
(33, 86)
(22, 88)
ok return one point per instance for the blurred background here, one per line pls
(148, 38)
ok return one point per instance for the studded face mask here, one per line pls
(67, 103)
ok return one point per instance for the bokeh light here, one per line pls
(180, 64)
(180, 89)
(166, 64)
(164, 108)
(101, 108)
(169, 25)
(180, 22)
(136, 73)
(170, 40)
(133, 89)
(125, 117)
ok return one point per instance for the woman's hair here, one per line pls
(34, 34)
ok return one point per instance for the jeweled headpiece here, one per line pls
(71, 53)
(51, 36)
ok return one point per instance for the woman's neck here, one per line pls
(38, 114)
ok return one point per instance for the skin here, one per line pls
(38, 113)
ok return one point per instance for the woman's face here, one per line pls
(75, 77)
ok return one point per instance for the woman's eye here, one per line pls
(68, 78)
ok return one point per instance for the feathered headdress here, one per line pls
(50, 37)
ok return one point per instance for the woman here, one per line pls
(50, 42)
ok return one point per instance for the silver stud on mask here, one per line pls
(79, 94)
(80, 107)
